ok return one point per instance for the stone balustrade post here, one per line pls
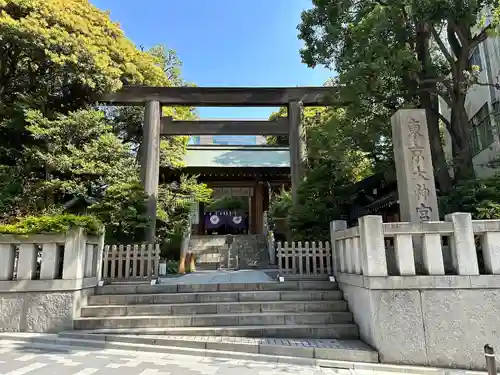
(335, 226)
(433, 254)
(26, 266)
(6, 261)
(74, 254)
(490, 242)
(462, 244)
(50, 261)
(403, 249)
(372, 245)
(100, 257)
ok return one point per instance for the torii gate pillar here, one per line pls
(150, 162)
(297, 144)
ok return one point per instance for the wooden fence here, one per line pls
(304, 260)
(131, 263)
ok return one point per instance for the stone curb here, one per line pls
(343, 354)
(58, 342)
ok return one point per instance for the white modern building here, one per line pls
(483, 108)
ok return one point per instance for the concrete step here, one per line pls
(207, 266)
(214, 297)
(214, 308)
(197, 288)
(328, 349)
(214, 320)
(327, 331)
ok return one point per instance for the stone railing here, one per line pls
(131, 262)
(363, 249)
(45, 278)
(304, 259)
(422, 293)
(269, 235)
(71, 256)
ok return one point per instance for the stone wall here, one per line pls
(442, 321)
(437, 319)
(37, 292)
(45, 312)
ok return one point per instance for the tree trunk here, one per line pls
(430, 102)
(462, 154)
(460, 129)
(441, 172)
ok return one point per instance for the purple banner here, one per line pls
(214, 220)
(237, 221)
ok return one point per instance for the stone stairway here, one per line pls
(305, 319)
(246, 252)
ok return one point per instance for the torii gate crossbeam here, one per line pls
(153, 98)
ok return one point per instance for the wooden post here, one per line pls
(259, 207)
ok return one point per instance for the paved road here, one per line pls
(21, 359)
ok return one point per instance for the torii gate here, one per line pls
(153, 98)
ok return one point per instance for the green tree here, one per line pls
(82, 157)
(335, 162)
(393, 53)
(56, 59)
(58, 56)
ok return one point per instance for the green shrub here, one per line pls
(280, 205)
(228, 204)
(172, 267)
(52, 224)
(171, 247)
(480, 197)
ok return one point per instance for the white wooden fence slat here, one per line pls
(150, 260)
(135, 269)
(280, 257)
(328, 258)
(142, 260)
(120, 275)
(321, 249)
(113, 262)
(313, 258)
(128, 257)
(105, 272)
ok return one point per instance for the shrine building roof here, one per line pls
(263, 156)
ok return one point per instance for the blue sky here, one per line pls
(224, 42)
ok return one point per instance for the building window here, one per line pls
(481, 133)
(475, 58)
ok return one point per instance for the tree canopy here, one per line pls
(335, 162)
(391, 54)
(57, 57)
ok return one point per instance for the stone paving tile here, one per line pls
(23, 359)
(36, 359)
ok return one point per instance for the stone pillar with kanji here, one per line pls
(415, 173)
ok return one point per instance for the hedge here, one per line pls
(52, 224)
